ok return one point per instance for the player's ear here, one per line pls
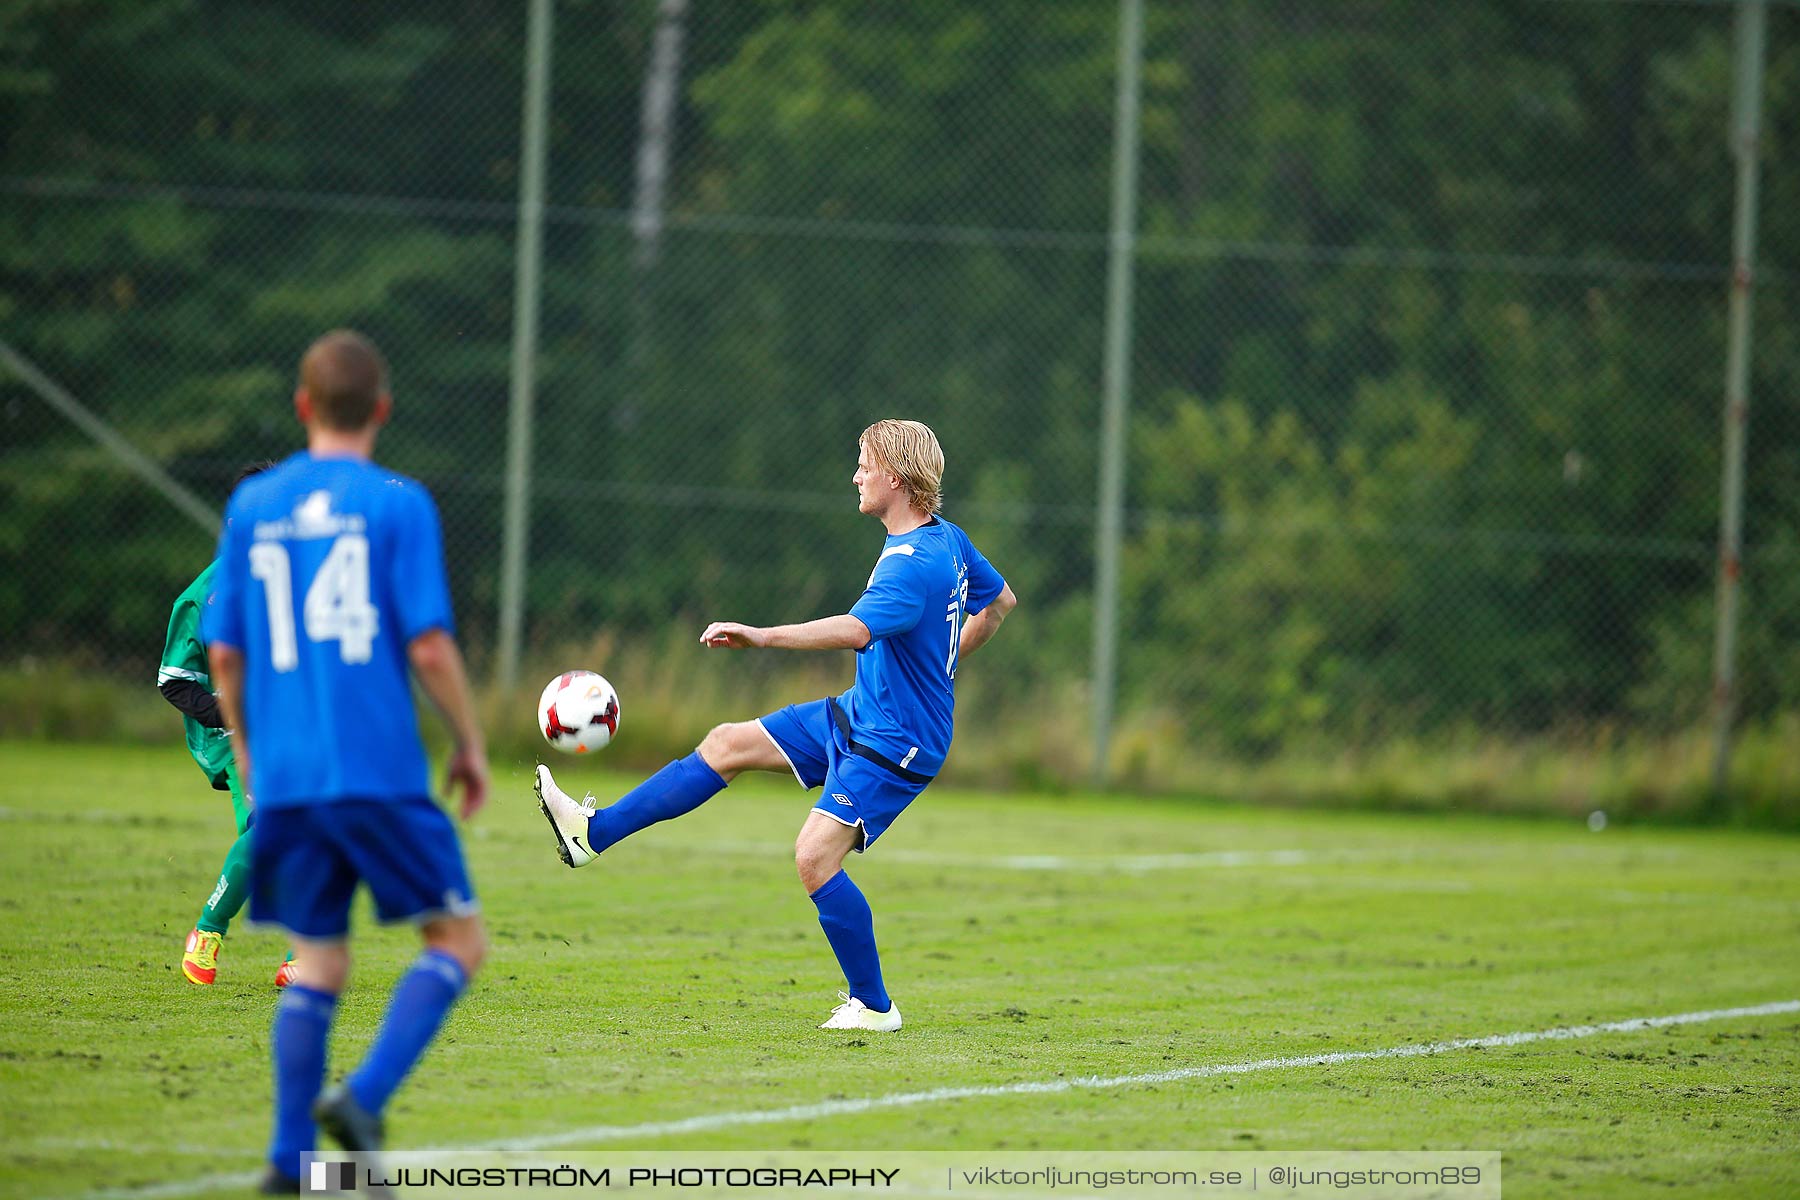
(303, 407)
(384, 408)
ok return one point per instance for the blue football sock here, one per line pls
(297, 1044)
(850, 928)
(421, 1000)
(678, 788)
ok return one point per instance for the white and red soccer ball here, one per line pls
(578, 712)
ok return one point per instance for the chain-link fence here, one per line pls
(1427, 352)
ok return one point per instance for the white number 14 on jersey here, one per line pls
(337, 604)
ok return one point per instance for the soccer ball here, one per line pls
(578, 712)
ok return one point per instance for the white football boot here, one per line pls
(854, 1014)
(567, 817)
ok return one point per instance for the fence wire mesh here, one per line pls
(1427, 351)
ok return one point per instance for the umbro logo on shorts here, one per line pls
(841, 799)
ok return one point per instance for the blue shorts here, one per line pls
(858, 792)
(305, 863)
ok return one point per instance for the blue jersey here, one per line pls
(328, 568)
(926, 583)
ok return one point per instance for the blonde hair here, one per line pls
(909, 451)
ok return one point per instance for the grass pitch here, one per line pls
(1026, 939)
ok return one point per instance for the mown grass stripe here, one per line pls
(835, 1108)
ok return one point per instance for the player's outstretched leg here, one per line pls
(200, 957)
(582, 831)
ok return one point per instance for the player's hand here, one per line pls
(469, 768)
(734, 636)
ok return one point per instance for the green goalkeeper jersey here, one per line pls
(184, 657)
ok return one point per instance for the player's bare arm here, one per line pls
(843, 632)
(227, 667)
(439, 666)
(983, 625)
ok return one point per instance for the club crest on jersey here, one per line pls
(311, 518)
(313, 514)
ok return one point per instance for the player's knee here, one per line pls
(465, 940)
(322, 966)
(723, 748)
(814, 864)
(473, 950)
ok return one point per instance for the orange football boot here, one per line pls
(200, 959)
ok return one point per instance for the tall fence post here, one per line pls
(656, 131)
(656, 137)
(1109, 527)
(514, 528)
(1746, 123)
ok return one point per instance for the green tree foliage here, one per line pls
(1560, 175)
(1428, 349)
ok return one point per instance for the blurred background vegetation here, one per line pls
(1428, 356)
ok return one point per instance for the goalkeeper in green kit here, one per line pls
(184, 682)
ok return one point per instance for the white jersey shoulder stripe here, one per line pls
(902, 549)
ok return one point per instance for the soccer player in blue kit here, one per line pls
(330, 583)
(931, 600)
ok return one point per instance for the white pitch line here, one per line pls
(837, 1108)
(834, 1108)
(1070, 862)
(237, 1181)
